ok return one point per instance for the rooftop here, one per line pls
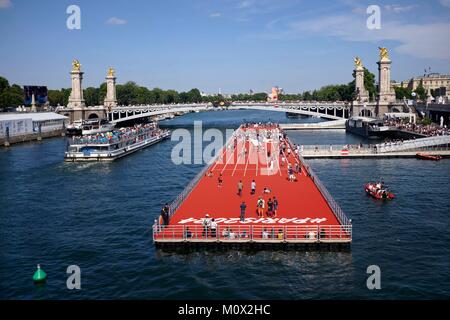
(35, 116)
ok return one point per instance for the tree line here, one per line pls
(10, 95)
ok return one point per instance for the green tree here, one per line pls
(194, 95)
(4, 84)
(401, 93)
(92, 96)
(369, 83)
(11, 96)
(421, 92)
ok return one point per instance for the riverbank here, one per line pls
(35, 136)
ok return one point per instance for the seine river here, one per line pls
(98, 216)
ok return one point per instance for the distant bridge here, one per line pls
(120, 114)
(326, 110)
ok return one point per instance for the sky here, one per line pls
(227, 45)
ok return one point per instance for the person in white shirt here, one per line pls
(213, 226)
(253, 186)
(206, 225)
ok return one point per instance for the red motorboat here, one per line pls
(378, 191)
(426, 156)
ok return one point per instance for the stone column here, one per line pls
(385, 93)
(362, 94)
(76, 100)
(110, 99)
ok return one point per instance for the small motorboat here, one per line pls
(426, 156)
(376, 192)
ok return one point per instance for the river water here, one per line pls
(99, 215)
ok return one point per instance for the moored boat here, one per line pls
(426, 156)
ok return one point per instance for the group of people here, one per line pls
(119, 135)
(164, 218)
(378, 188)
(428, 130)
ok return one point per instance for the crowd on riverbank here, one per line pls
(116, 136)
(427, 130)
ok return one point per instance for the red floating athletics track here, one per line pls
(255, 152)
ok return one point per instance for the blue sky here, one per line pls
(234, 45)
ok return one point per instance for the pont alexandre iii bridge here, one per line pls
(338, 111)
(326, 110)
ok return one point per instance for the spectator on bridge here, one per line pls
(243, 207)
(220, 180)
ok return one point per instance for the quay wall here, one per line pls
(35, 136)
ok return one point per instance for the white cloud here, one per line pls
(429, 40)
(116, 21)
(396, 8)
(445, 3)
(4, 4)
(215, 15)
(245, 4)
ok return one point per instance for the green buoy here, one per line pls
(39, 275)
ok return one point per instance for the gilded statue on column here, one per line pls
(358, 62)
(76, 66)
(111, 72)
(384, 54)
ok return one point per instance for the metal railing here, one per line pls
(253, 233)
(414, 144)
(340, 215)
(193, 183)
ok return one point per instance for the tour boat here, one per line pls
(114, 144)
(426, 156)
(372, 190)
(96, 126)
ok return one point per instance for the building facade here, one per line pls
(432, 81)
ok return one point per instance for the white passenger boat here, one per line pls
(115, 144)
